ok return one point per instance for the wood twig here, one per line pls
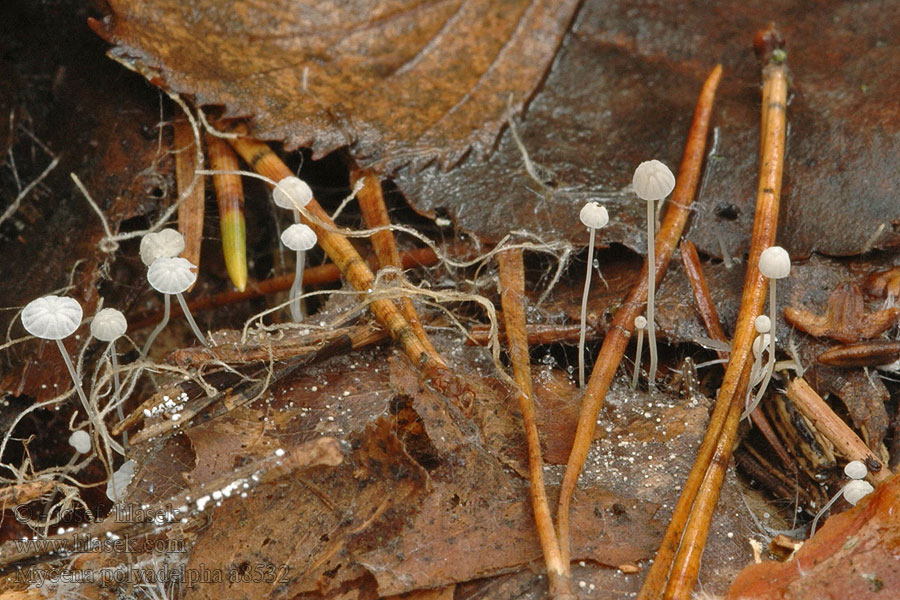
(190, 211)
(371, 203)
(539, 334)
(693, 513)
(833, 428)
(620, 331)
(342, 253)
(512, 299)
(710, 317)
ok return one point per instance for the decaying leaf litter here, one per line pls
(680, 306)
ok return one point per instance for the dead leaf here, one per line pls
(398, 81)
(845, 318)
(623, 90)
(852, 556)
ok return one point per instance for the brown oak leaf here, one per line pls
(397, 80)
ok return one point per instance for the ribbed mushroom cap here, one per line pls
(640, 322)
(52, 317)
(299, 237)
(81, 441)
(290, 190)
(775, 262)
(856, 469)
(171, 275)
(594, 215)
(653, 180)
(165, 243)
(856, 490)
(109, 324)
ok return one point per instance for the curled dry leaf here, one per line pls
(852, 556)
(398, 80)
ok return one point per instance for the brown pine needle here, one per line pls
(833, 428)
(710, 317)
(620, 330)
(339, 249)
(512, 298)
(190, 211)
(371, 203)
(701, 491)
(230, 198)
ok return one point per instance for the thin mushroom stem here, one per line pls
(584, 301)
(637, 358)
(819, 514)
(297, 289)
(770, 364)
(619, 333)
(190, 318)
(117, 400)
(167, 310)
(89, 408)
(84, 400)
(651, 294)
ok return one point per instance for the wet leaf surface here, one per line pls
(853, 555)
(397, 80)
(623, 90)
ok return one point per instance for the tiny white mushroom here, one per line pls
(652, 181)
(853, 491)
(292, 193)
(81, 441)
(56, 318)
(109, 325)
(856, 469)
(856, 490)
(640, 323)
(171, 277)
(115, 487)
(760, 344)
(593, 216)
(300, 238)
(774, 264)
(166, 243)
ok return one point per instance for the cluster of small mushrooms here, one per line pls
(55, 317)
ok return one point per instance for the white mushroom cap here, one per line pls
(109, 324)
(653, 180)
(640, 322)
(594, 215)
(775, 263)
(856, 469)
(81, 441)
(165, 243)
(52, 317)
(171, 275)
(763, 324)
(299, 237)
(761, 342)
(291, 190)
(120, 478)
(856, 490)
